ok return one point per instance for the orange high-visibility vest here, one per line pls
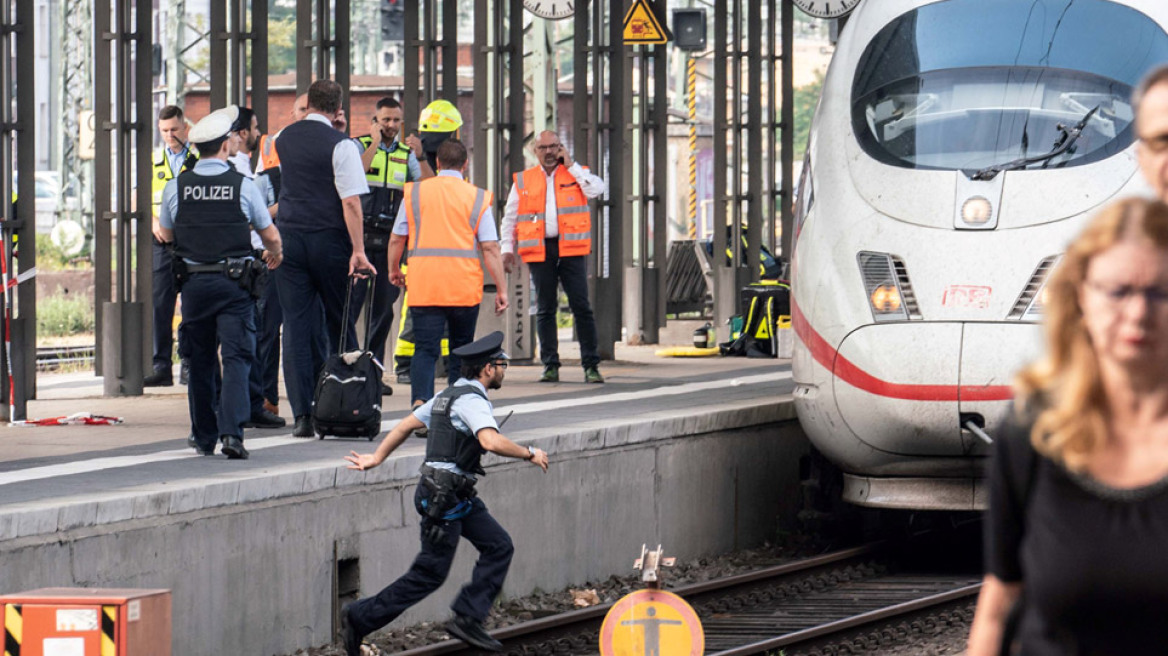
(444, 214)
(268, 154)
(572, 214)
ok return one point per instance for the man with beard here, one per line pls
(389, 164)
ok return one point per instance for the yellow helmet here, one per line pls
(440, 116)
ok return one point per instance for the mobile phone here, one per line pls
(560, 159)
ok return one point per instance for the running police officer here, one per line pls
(461, 430)
(208, 213)
(389, 164)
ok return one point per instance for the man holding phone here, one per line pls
(548, 224)
(389, 164)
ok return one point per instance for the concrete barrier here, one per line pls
(253, 563)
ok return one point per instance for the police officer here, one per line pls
(389, 164)
(208, 213)
(175, 157)
(445, 276)
(461, 430)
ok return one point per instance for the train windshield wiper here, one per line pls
(1070, 136)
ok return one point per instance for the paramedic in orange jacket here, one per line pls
(446, 221)
(547, 223)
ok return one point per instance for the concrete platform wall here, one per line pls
(257, 577)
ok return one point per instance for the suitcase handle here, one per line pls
(368, 307)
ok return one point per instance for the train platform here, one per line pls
(701, 455)
(147, 452)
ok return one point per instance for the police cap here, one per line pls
(483, 350)
(215, 125)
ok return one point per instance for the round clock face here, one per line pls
(551, 9)
(827, 8)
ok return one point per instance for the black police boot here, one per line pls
(303, 427)
(233, 448)
(194, 444)
(350, 640)
(160, 378)
(472, 633)
(263, 418)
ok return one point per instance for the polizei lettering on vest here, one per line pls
(209, 192)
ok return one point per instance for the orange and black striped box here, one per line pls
(87, 622)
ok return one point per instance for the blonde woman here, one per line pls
(1078, 517)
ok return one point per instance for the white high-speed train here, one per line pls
(957, 147)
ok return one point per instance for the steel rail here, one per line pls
(846, 625)
(578, 620)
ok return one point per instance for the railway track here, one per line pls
(850, 601)
(49, 358)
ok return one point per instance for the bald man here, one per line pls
(547, 224)
(1151, 129)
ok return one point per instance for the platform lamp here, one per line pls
(689, 29)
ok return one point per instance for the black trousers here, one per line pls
(163, 299)
(384, 294)
(572, 273)
(433, 564)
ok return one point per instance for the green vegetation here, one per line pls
(806, 99)
(60, 315)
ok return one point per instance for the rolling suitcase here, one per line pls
(347, 402)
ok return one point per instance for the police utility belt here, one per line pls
(250, 272)
(447, 489)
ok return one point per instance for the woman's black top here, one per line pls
(1092, 559)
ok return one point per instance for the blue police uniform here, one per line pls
(212, 210)
(453, 418)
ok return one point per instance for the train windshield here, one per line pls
(970, 84)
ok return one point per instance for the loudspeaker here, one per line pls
(689, 29)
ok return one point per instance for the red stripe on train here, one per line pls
(853, 375)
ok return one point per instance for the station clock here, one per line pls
(551, 9)
(827, 8)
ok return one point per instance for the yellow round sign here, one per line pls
(652, 623)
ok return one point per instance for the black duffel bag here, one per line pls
(347, 402)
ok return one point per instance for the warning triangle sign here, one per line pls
(641, 25)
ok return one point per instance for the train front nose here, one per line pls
(905, 388)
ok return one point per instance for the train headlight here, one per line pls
(886, 284)
(886, 299)
(977, 211)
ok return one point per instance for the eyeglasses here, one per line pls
(500, 363)
(551, 147)
(1119, 294)
(1157, 144)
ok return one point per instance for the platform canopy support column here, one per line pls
(232, 39)
(17, 153)
(125, 124)
(645, 280)
(322, 44)
(431, 55)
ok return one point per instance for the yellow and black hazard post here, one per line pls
(109, 631)
(13, 629)
(691, 88)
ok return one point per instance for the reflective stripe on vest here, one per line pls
(572, 214)
(444, 269)
(389, 169)
(161, 174)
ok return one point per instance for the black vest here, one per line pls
(273, 175)
(308, 193)
(446, 443)
(210, 225)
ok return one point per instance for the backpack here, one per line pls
(347, 402)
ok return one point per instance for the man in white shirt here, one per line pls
(547, 223)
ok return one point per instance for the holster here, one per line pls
(446, 490)
(178, 268)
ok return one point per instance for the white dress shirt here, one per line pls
(591, 185)
(348, 173)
